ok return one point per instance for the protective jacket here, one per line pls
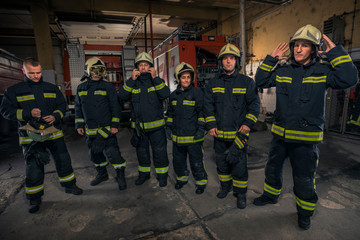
(96, 106)
(185, 115)
(230, 101)
(21, 98)
(146, 95)
(301, 90)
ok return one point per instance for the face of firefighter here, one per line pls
(229, 63)
(303, 51)
(143, 67)
(185, 80)
(97, 73)
(33, 73)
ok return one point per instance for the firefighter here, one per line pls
(185, 126)
(147, 93)
(97, 115)
(39, 106)
(231, 108)
(299, 116)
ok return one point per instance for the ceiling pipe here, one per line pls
(272, 2)
(151, 31)
(242, 35)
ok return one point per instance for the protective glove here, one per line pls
(98, 145)
(199, 133)
(168, 133)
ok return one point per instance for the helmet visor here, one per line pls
(98, 71)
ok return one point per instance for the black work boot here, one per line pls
(304, 221)
(142, 178)
(223, 192)
(263, 200)
(34, 205)
(180, 184)
(101, 176)
(200, 189)
(120, 174)
(73, 189)
(241, 200)
(162, 179)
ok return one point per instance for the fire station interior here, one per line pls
(62, 35)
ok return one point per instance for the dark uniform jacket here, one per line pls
(300, 93)
(231, 101)
(21, 98)
(185, 114)
(147, 96)
(96, 106)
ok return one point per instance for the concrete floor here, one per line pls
(151, 212)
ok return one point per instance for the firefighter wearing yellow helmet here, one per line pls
(231, 106)
(146, 91)
(185, 126)
(299, 116)
(97, 116)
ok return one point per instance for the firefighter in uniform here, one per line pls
(231, 108)
(185, 126)
(299, 116)
(97, 115)
(147, 93)
(39, 106)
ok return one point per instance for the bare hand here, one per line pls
(213, 132)
(280, 50)
(80, 131)
(135, 74)
(152, 72)
(244, 129)
(329, 45)
(49, 119)
(113, 130)
(36, 113)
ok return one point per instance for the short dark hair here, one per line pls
(31, 61)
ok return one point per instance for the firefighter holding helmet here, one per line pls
(97, 116)
(299, 116)
(231, 108)
(147, 93)
(185, 126)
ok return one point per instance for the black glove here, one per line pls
(168, 133)
(199, 133)
(239, 144)
(98, 145)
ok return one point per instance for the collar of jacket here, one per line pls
(225, 77)
(28, 80)
(312, 62)
(144, 77)
(178, 90)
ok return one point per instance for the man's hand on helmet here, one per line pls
(329, 45)
(280, 50)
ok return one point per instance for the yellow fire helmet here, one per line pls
(232, 50)
(184, 67)
(309, 33)
(95, 67)
(144, 57)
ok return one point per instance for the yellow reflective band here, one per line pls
(115, 119)
(283, 79)
(67, 178)
(305, 205)
(201, 119)
(169, 120)
(339, 60)
(151, 89)
(224, 178)
(239, 90)
(183, 178)
(59, 112)
(174, 102)
(240, 184)
(143, 169)
(103, 164)
(118, 166)
(320, 79)
(239, 143)
(354, 122)
(100, 92)
(25, 140)
(265, 67)
(94, 131)
(226, 134)
(127, 88)
(103, 134)
(251, 117)
(136, 91)
(56, 135)
(49, 95)
(218, 90)
(25, 98)
(185, 139)
(162, 170)
(19, 114)
(278, 130)
(202, 182)
(189, 103)
(210, 119)
(33, 190)
(154, 124)
(271, 190)
(305, 136)
(160, 86)
(82, 93)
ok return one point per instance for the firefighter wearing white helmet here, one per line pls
(231, 108)
(299, 116)
(185, 126)
(97, 116)
(147, 92)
